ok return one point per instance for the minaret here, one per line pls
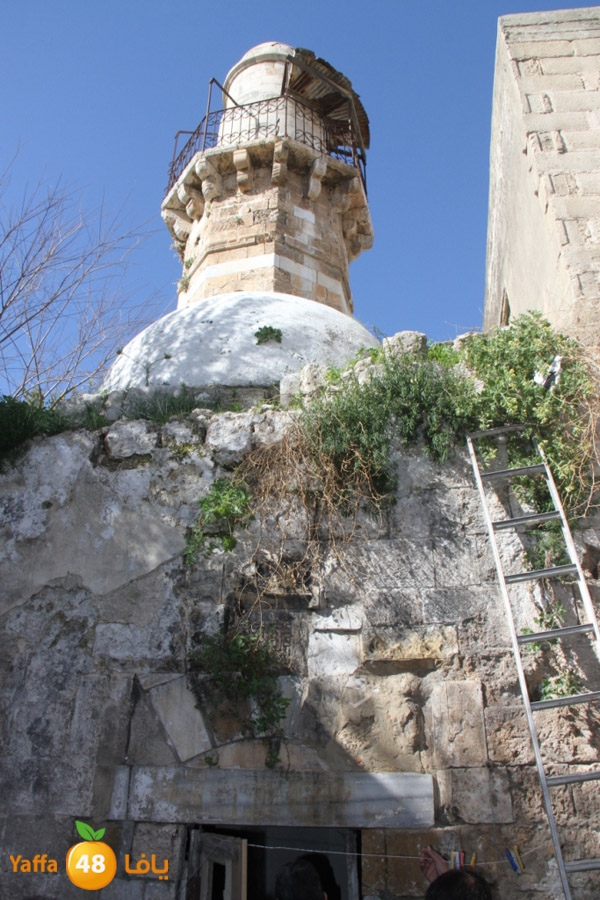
(269, 192)
(267, 206)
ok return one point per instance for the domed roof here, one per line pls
(214, 342)
(268, 48)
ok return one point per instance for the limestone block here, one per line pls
(194, 207)
(317, 173)
(229, 437)
(178, 224)
(457, 727)
(269, 427)
(333, 655)
(476, 796)
(312, 378)
(212, 183)
(243, 165)
(127, 439)
(345, 799)
(289, 387)
(105, 532)
(376, 569)
(340, 621)
(164, 841)
(128, 644)
(508, 736)
(393, 650)
(280, 160)
(179, 433)
(176, 708)
(406, 342)
(570, 735)
(62, 714)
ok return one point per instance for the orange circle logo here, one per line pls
(92, 864)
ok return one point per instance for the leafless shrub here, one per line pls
(63, 310)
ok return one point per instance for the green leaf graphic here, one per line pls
(87, 833)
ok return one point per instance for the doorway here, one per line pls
(242, 863)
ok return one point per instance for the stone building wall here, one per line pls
(405, 725)
(544, 213)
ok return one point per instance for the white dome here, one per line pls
(214, 342)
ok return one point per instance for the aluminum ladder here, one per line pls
(590, 626)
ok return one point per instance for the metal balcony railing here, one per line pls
(283, 116)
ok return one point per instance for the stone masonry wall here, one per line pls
(544, 214)
(274, 215)
(398, 665)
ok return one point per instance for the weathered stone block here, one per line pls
(406, 342)
(350, 799)
(332, 654)
(457, 726)
(164, 841)
(229, 437)
(127, 439)
(413, 648)
(475, 796)
(176, 708)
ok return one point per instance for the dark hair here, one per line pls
(298, 880)
(458, 884)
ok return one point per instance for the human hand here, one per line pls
(432, 864)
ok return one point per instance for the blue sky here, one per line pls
(93, 93)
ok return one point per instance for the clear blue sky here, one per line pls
(94, 92)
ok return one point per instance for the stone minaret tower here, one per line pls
(267, 206)
(269, 192)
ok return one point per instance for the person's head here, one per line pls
(459, 884)
(299, 880)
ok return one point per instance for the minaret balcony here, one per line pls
(283, 117)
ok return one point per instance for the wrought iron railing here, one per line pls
(282, 116)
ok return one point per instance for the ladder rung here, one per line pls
(556, 780)
(492, 432)
(510, 473)
(530, 519)
(582, 865)
(552, 572)
(566, 701)
(554, 633)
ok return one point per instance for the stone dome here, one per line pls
(214, 342)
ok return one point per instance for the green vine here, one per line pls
(240, 667)
(226, 505)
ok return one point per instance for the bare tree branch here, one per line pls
(63, 311)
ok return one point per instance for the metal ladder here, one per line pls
(518, 640)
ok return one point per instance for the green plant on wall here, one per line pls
(506, 361)
(548, 619)
(239, 668)
(435, 400)
(567, 684)
(226, 505)
(411, 398)
(23, 419)
(268, 333)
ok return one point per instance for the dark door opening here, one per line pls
(242, 863)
